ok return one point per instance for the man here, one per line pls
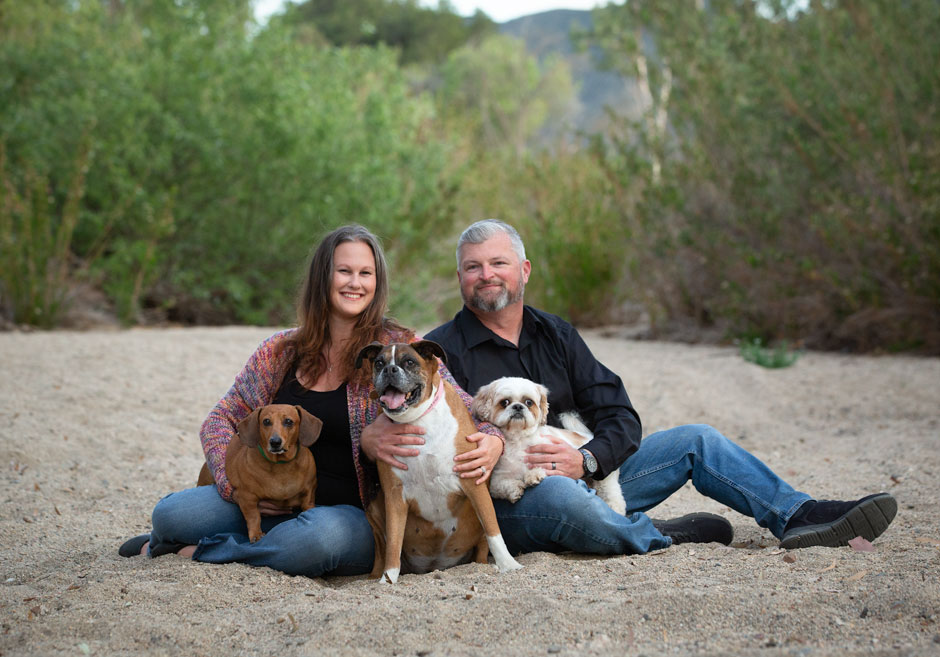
(496, 335)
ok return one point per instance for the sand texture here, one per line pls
(96, 426)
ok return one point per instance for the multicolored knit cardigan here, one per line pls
(256, 386)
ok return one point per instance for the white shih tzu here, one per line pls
(519, 407)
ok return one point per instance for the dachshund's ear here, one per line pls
(310, 427)
(543, 403)
(249, 430)
(482, 405)
(369, 352)
(428, 348)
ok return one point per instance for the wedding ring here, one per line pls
(483, 469)
(554, 467)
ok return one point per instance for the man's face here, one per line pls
(490, 274)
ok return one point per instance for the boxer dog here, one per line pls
(270, 461)
(519, 407)
(427, 517)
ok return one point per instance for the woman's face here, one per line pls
(354, 282)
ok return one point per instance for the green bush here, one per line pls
(797, 194)
(779, 356)
(36, 240)
(218, 154)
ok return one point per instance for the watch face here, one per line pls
(590, 463)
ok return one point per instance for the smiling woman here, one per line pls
(353, 279)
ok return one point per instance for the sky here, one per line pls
(499, 10)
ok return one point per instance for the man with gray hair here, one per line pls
(495, 334)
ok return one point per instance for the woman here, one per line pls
(342, 309)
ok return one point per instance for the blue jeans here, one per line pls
(557, 515)
(561, 514)
(335, 540)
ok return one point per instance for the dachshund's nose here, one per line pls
(275, 443)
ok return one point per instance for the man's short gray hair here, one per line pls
(480, 231)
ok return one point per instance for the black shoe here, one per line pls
(131, 547)
(830, 523)
(696, 528)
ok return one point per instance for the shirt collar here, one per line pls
(475, 333)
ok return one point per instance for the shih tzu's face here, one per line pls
(513, 404)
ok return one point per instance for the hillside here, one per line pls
(549, 33)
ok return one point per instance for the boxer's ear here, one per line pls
(369, 352)
(543, 404)
(249, 430)
(428, 348)
(310, 427)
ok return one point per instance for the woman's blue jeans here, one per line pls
(559, 514)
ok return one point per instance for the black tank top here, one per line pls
(336, 474)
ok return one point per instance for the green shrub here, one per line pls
(35, 240)
(779, 356)
(794, 191)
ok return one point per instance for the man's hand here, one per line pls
(480, 461)
(567, 460)
(384, 440)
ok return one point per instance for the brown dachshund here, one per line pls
(270, 462)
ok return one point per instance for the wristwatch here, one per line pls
(590, 463)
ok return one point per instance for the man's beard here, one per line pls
(497, 303)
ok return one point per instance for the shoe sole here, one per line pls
(869, 520)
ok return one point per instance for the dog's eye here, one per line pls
(379, 363)
(266, 422)
(288, 422)
(529, 403)
(504, 403)
(410, 363)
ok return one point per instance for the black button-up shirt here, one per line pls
(550, 352)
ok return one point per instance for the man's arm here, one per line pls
(602, 401)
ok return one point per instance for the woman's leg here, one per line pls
(185, 517)
(334, 540)
(717, 467)
(562, 514)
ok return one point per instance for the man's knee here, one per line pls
(702, 437)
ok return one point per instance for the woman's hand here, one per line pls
(566, 459)
(480, 461)
(384, 440)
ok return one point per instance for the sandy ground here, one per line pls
(95, 427)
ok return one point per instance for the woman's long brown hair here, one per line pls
(314, 308)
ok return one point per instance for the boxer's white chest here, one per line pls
(430, 477)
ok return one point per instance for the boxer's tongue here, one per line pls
(393, 399)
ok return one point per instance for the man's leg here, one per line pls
(562, 514)
(731, 475)
(718, 468)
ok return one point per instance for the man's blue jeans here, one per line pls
(559, 514)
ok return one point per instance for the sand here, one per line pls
(97, 426)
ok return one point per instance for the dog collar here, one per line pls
(268, 459)
(437, 398)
